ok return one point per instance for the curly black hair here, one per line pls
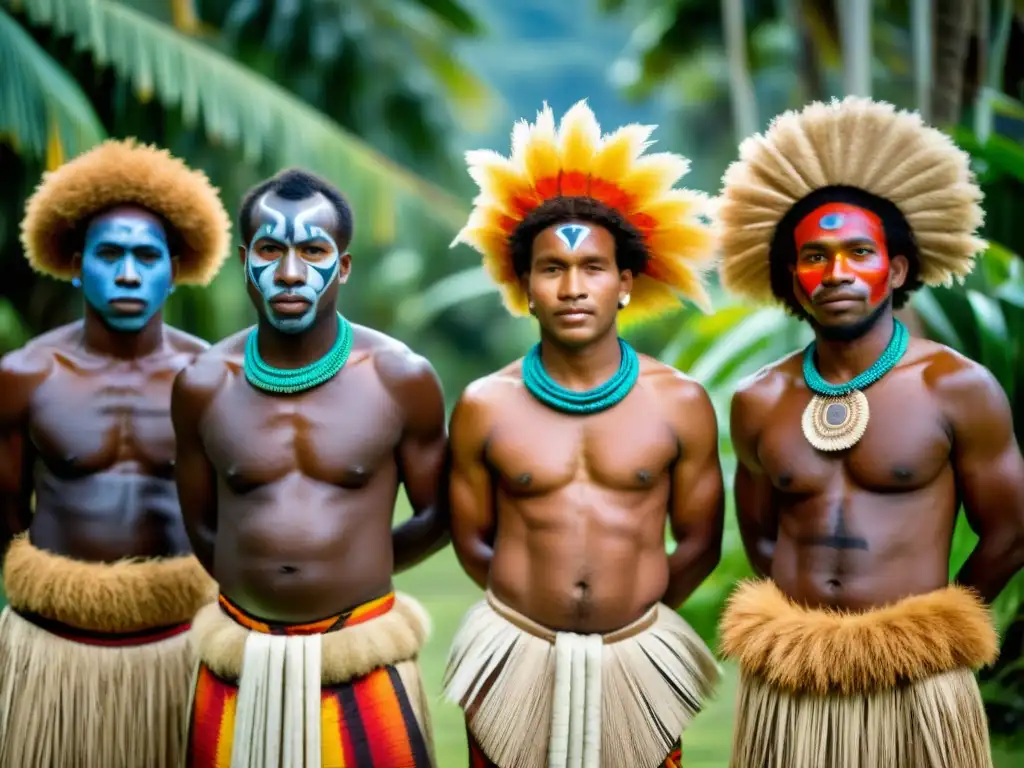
(630, 250)
(898, 234)
(297, 184)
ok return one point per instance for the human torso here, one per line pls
(102, 451)
(306, 486)
(582, 506)
(870, 525)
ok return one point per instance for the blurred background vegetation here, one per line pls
(382, 96)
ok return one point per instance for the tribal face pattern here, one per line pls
(292, 253)
(837, 242)
(127, 272)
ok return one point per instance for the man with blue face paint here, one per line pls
(95, 664)
(293, 437)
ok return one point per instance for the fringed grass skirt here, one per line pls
(888, 688)
(540, 699)
(341, 693)
(95, 662)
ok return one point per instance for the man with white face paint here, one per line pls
(293, 438)
(95, 663)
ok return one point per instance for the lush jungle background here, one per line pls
(382, 96)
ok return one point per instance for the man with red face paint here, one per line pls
(855, 454)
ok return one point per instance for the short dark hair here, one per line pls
(630, 249)
(297, 184)
(898, 235)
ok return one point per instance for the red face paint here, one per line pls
(839, 243)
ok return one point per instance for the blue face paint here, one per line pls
(291, 235)
(126, 269)
(572, 235)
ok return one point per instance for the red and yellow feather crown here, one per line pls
(575, 160)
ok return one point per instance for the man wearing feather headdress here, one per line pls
(567, 464)
(856, 453)
(95, 663)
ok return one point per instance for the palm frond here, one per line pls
(43, 112)
(237, 106)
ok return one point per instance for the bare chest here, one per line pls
(84, 422)
(341, 433)
(534, 450)
(905, 447)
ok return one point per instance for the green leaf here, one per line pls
(996, 347)
(239, 107)
(934, 317)
(453, 14)
(42, 109)
(738, 343)
(445, 294)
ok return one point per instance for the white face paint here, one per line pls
(292, 256)
(572, 235)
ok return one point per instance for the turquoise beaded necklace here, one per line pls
(837, 416)
(890, 356)
(554, 395)
(287, 381)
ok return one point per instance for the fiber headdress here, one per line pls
(859, 143)
(577, 161)
(123, 172)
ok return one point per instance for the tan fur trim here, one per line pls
(860, 143)
(67, 705)
(121, 172)
(348, 653)
(127, 596)
(824, 651)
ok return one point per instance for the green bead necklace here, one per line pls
(837, 416)
(554, 395)
(287, 381)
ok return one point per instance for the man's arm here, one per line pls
(697, 501)
(420, 456)
(989, 473)
(470, 490)
(194, 474)
(756, 508)
(18, 379)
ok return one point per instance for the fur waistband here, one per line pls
(823, 651)
(394, 636)
(531, 627)
(126, 596)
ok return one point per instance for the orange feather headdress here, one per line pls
(575, 160)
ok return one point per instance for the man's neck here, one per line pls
(295, 350)
(839, 360)
(581, 368)
(101, 339)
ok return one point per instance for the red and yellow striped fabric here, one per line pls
(368, 722)
(477, 758)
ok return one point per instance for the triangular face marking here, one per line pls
(572, 235)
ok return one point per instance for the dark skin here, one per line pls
(289, 498)
(563, 517)
(85, 428)
(864, 527)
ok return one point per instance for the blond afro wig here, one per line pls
(121, 172)
(860, 143)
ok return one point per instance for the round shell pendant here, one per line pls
(836, 423)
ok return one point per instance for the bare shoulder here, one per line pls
(402, 371)
(962, 386)
(197, 383)
(183, 342)
(485, 397)
(35, 359)
(765, 387)
(671, 386)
